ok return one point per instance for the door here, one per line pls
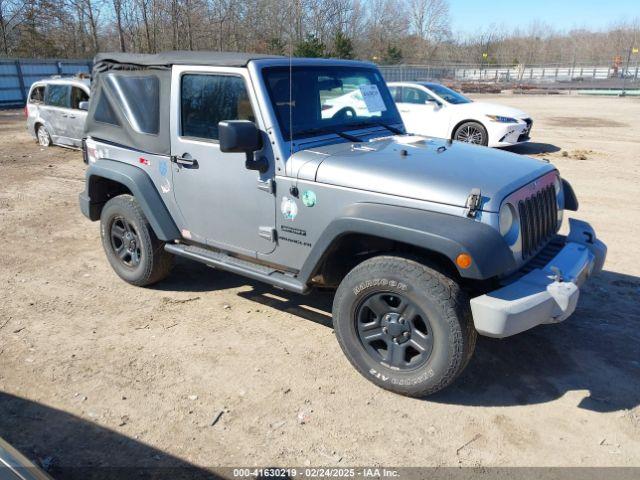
(222, 203)
(75, 116)
(421, 113)
(53, 112)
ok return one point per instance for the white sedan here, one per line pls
(437, 111)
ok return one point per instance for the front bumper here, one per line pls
(544, 295)
(506, 134)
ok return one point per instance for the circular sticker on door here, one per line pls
(289, 208)
(309, 198)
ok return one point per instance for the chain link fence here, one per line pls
(17, 75)
(583, 76)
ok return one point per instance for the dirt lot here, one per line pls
(95, 372)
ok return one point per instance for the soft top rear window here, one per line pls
(139, 99)
(104, 111)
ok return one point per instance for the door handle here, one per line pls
(185, 160)
(403, 110)
(71, 116)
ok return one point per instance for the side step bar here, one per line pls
(226, 262)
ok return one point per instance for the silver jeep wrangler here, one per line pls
(299, 173)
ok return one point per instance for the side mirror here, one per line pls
(83, 106)
(433, 101)
(242, 136)
(239, 136)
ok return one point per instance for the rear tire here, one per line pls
(131, 245)
(404, 326)
(472, 132)
(44, 139)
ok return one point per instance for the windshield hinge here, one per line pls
(268, 185)
(268, 233)
(473, 203)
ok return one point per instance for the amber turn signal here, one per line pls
(464, 260)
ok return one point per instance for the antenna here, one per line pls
(291, 79)
(293, 190)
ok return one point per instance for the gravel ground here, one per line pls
(95, 372)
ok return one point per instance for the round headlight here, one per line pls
(557, 185)
(506, 219)
(560, 215)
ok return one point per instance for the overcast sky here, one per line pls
(469, 16)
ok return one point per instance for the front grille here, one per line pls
(526, 133)
(540, 260)
(538, 220)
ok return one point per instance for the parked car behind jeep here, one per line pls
(56, 110)
(234, 160)
(429, 108)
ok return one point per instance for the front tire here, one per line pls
(44, 139)
(131, 246)
(404, 326)
(472, 132)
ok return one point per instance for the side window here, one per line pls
(395, 93)
(57, 95)
(78, 95)
(104, 111)
(206, 100)
(37, 95)
(413, 95)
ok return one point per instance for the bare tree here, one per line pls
(430, 19)
(10, 18)
(411, 30)
(117, 8)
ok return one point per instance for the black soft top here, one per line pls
(166, 59)
(130, 95)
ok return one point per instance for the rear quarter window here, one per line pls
(37, 94)
(139, 97)
(104, 111)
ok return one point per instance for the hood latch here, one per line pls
(473, 203)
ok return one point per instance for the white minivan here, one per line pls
(56, 110)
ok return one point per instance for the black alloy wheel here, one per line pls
(125, 242)
(394, 331)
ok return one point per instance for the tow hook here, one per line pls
(557, 274)
(473, 203)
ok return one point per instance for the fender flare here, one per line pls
(139, 184)
(445, 234)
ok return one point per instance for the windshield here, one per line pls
(328, 99)
(448, 95)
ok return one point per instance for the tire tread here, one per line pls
(160, 261)
(452, 301)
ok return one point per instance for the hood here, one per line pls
(483, 108)
(433, 169)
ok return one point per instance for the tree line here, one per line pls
(385, 31)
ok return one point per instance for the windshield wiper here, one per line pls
(351, 138)
(394, 130)
(346, 136)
